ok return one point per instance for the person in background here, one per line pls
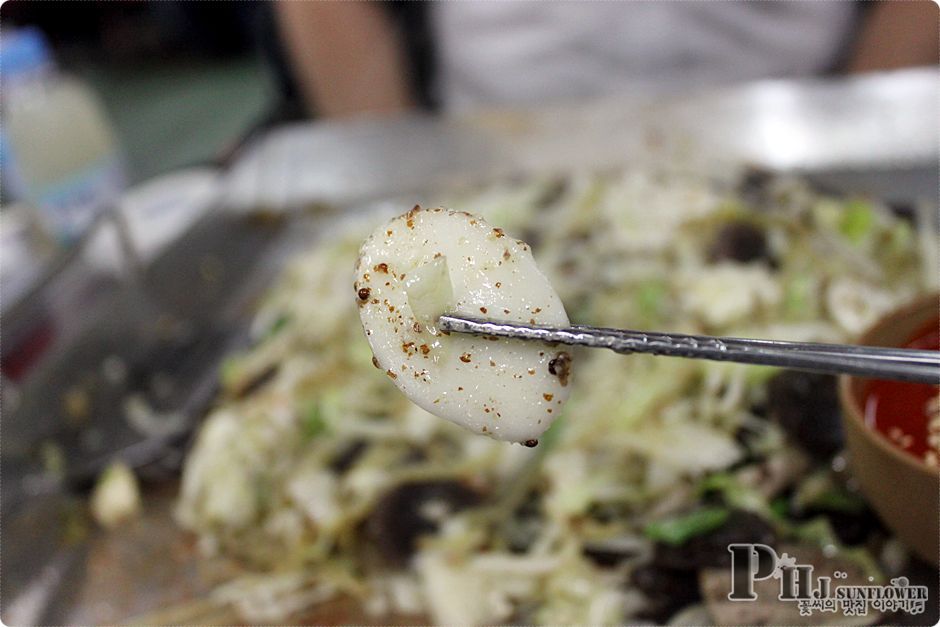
(352, 58)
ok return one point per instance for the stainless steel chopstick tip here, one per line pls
(918, 366)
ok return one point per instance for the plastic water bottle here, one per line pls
(57, 148)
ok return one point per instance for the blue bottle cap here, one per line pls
(23, 51)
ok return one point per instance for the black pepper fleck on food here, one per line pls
(560, 366)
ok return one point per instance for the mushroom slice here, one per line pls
(433, 261)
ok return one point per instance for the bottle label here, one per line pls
(69, 206)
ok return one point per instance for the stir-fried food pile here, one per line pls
(326, 482)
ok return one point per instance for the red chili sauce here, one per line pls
(908, 414)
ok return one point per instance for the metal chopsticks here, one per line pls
(918, 366)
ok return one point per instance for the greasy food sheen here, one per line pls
(433, 261)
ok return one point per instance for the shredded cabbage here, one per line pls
(286, 476)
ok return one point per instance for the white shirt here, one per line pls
(524, 53)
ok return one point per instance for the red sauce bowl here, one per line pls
(901, 486)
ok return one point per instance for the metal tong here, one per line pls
(900, 364)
